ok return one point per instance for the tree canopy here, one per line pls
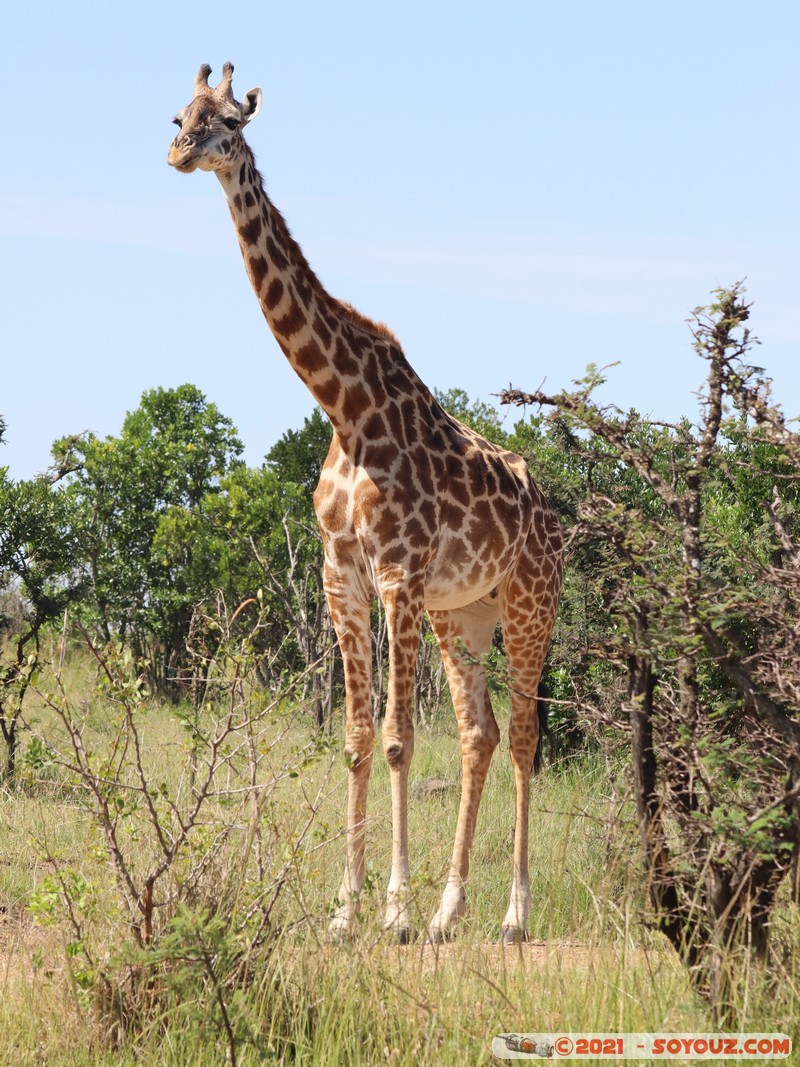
(677, 636)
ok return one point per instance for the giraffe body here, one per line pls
(413, 508)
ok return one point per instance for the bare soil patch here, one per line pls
(496, 956)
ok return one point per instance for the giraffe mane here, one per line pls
(355, 318)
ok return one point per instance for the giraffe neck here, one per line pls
(340, 355)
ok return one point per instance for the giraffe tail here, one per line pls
(543, 710)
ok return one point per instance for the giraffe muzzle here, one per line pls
(183, 153)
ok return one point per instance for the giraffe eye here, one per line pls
(231, 123)
(177, 122)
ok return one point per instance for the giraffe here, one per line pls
(414, 508)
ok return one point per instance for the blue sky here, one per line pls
(516, 188)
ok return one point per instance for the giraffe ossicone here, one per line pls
(414, 508)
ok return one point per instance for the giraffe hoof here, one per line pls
(402, 935)
(340, 931)
(513, 935)
(438, 935)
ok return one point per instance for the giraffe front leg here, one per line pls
(352, 624)
(403, 608)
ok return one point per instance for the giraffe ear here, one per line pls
(251, 105)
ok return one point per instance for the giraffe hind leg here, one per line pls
(464, 636)
(529, 601)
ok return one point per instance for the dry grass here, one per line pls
(592, 964)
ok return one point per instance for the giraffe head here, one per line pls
(211, 125)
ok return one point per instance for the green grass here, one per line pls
(289, 996)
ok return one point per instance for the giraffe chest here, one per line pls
(443, 523)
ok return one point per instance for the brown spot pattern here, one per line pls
(258, 271)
